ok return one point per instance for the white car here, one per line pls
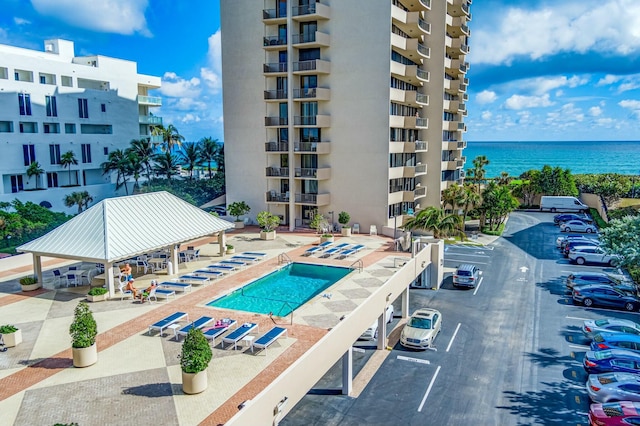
(421, 329)
(591, 254)
(372, 332)
(577, 226)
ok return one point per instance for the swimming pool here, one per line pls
(282, 291)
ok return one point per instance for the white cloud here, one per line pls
(542, 85)
(486, 115)
(595, 111)
(21, 21)
(109, 16)
(486, 97)
(628, 85)
(579, 26)
(630, 104)
(212, 74)
(521, 102)
(190, 118)
(178, 87)
(608, 79)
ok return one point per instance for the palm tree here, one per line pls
(170, 136)
(135, 166)
(166, 164)
(470, 200)
(67, 160)
(81, 199)
(479, 172)
(437, 221)
(219, 158)
(209, 151)
(452, 196)
(118, 161)
(34, 169)
(189, 155)
(143, 149)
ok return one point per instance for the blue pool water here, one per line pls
(282, 291)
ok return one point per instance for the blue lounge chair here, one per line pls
(238, 334)
(199, 323)
(358, 247)
(158, 292)
(312, 250)
(325, 245)
(219, 329)
(183, 287)
(346, 253)
(166, 322)
(235, 263)
(264, 341)
(241, 258)
(223, 267)
(254, 254)
(210, 272)
(194, 279)
(334, 250)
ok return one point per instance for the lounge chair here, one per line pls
(166, 322)
(122, 292)
(194, 279)
(264, 341)
(238, 334)
(219, 329)
(183, 287)
(241, 258)
(158, 292)
(325, 245)
(312, 250)
(199, 323)
(346, 253)
(358, 247)
(236, 263)
(223, 267)
(210, 272)
(253, 254)
(334, 250)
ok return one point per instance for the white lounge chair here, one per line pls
(183, 287)
(219, 329)
(199, 323)
(264, 341)
(166, 322)
(238, 334)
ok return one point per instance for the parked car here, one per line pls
(623, 413)
(613, 387)
(585, 278)
(466, 275)
(577, 226)
(372, 332)
(559, 218)
(578, 243)
(612, 360)
(591, 254)
(604, 341)
(561, 203)
(606, 296)
(422, 328)
(562, 240)
(609, 325)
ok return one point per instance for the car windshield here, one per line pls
(602, 355)
(464, 273)
(423, 323)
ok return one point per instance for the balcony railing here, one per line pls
(275, 67)
(278, 171)
(422, 74)
(422, 122)
(276, 121)
(426, 3)
(422, 99)
(420, 192)
(276, 146)
(312, 65)
(315, 173)
(319, 147)
(277, 197)
(150, 100)
(421, 146)
(423, 50)
(424, 25)
(309, 92)
(274, 13)
(275, 94)
(150, 119)
(314, 199)
(274, 41)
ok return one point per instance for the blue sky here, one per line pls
(540, 70)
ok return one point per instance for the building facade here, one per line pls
(52, 103)
(335, 105)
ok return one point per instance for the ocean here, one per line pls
(579, 157)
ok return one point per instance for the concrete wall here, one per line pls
(593, 201)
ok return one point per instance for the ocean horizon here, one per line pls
(580, 157)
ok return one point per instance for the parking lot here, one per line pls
(510, 351)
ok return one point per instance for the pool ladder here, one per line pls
(283, 258)
(357, 265)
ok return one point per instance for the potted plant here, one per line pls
(83, 331)
(29, 283)
(194, 360)
(237, 209)
(98, 294)
(321, 225)
(230, 249)
(343, 219)
(268, 223)
(11, 335)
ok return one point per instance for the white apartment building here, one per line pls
(53, 102)
(344, 105)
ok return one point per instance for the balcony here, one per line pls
(407, 97)
(277, 197)
(424, 26)
(313, 199)
(405, 46)
(276, 147)
(421, 146)
(450, 125)
(422, 75)
(408, 122)
(401, 173)
(154, 139)
(315, 66)
(426, 4)
(420, 192)
(396, 147)
(275, 68)
(277, 172)
(311, 12)
(312, 93)
(451, 106)
(422, 122)
(321, 173)
(274, 95)
(456, 26)
(273, 42)
(275, 16)
(422, 99)
(458, 47)
(323, 147)
(312, 120)
(276, 121)
(313, 39)
(149, 100)
(453, 145)
(150, 119)
(423, 50)
(420, 169)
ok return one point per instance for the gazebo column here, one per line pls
(173, 257)
(37, 268)
(109, 279)
(222, 242)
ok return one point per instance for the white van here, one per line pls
(562, 204)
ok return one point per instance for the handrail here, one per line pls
(290, 307)
(283, 258)
(360, 266)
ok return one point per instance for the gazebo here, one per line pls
(122, 228)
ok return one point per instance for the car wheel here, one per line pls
(589, 230)
(587, 302)
(630, 306)
(567, 229)
(580, 261)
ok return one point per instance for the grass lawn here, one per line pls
(630, 202)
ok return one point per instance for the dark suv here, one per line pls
(466, 275)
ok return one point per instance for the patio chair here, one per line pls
(218, 329)
(264, 341)
(236, 263)
(74, 279)
(373, 230)
(155, 292)
(356, 228)
(325, 245)
(311, 251)
(57, 276)
(167, 321)
(122, 292)
(358, 247)
(238, 334)
(199, 323)
(182, 257)
(183, 287)
(346, 253)
(227, 268)
(142, 264)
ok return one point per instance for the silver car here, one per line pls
(577, 226)
(612, 387)
(591, 254)
(372, 332)
(609, 325)
(421, 329)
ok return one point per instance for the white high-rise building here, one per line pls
(344, 105)
(53, 102)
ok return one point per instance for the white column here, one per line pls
(109, 279)
(37, 268)
(222, 243)
(405, 303)
(382, 330)
(347, 372)
(173, 257)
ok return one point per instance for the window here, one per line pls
(51, 106)
(6, 126)
(28, 127)
(29, 153)
(86, 153)
(309, 54)
(105, 150)
(24, 101)
(103, 107)
(4, 73)
(52, 180)
(67, 81)
(16, 183)
(51, 127)
(69, 128)
(54, 154)
(83, 109)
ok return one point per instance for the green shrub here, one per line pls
(98, 291)
(229, 247)
(597, 218)
(196, 352)
(343, 219)
(83, 329)
(28, 280)
(237, 209)
(7, 329)
(268, 221)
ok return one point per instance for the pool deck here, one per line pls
(137, 379)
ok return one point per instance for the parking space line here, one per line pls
(453, 337)
(577, 318)
(424, 398)
(478, 286)
(579, 346)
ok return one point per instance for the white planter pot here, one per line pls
(346, 231)
(271, 235)
(12, 339)
(325, 239)
(231, 250)
(84, 357)
(193, 383)
(99, 298)
(30, 287)
(239, 224)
